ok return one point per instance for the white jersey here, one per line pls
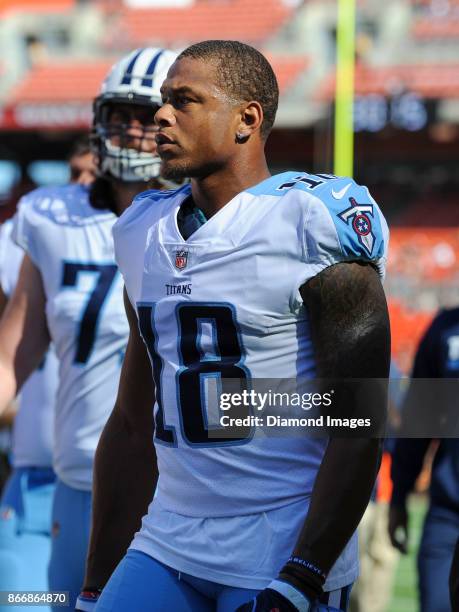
(71, 244)
(226, 304)
(33, 424)
(10, 259)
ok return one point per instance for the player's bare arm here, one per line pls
(3, 301)
(7, 416)
(24, 336)
(125, 472)
(351, 337)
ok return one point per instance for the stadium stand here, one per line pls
(61, 82)
(427, 29)
(423, 275)
(59, 94)
(47, 6)
(252, 22)
(78, 80)
(428, 80)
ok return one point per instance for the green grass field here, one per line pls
(404, 598)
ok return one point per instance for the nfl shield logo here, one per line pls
(181, 259)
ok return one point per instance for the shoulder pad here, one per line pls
(63, 205)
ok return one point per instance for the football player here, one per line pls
(25, 505)
(25, 512)
(436, 357)
(69, 291)
(238, 275)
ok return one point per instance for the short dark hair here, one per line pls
(243, 72)
(81, 146)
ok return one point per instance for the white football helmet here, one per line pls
(135, 79)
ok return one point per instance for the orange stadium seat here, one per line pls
(78, 80)
(428, 3)
(252, 21)
(407, 328)
(61, 82)
(32, 5)
(58, 95)
(420, 260)
(287, 69)
(428, 80)
(430, 254)
(431, 210)
(435, 28)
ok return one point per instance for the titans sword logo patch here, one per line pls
(357, 215)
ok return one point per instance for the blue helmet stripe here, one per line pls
(128, 74)
(147, 79)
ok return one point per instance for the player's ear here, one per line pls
(250, 122)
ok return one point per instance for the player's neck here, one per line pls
(214, 191)
(125, 193)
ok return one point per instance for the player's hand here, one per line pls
(398, 528)
(270, 600)
(87, 601)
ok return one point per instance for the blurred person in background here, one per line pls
(70, 292)
(82, 163)
(437, 357)
(378, 558)
(25, 506)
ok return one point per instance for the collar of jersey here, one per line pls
(219, 225)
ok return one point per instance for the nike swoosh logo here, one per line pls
(339, 194)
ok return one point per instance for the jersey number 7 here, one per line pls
(88, 325)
